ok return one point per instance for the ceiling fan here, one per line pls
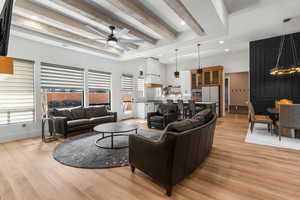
(114, 39)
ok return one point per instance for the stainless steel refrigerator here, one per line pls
(212, 94)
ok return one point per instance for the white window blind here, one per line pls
(141, 86)
(99, 80)
(17, 94)
(127, 83)
(58, 76)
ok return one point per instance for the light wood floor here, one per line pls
(234, 170)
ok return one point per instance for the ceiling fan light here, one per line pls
(112, 42)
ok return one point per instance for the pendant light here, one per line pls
(199, 70)
(290, 69)
(176, 73)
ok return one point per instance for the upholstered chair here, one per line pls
(289, 117)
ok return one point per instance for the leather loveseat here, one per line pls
(68, 120)
(179, 150)
(165, 114)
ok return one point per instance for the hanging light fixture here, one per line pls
(176, 73)
(199, 70)
(6, 66)
(290, 69)
(296, 65)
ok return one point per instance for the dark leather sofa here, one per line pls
(181, 148)
(68, 120)
(165, 114)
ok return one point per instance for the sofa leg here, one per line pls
(132, 168)
(65, 136)
(169, 191)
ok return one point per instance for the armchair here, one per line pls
(165, 114)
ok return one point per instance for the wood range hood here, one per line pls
(153, 85)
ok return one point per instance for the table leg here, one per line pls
(136, 131)
(112, 141)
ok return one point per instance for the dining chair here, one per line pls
(183, 109)
(191, 108)
(170, 101)
(261, 120)
(289, 117)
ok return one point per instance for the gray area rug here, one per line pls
(82, 152)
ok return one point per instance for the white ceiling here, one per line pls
(246, 20)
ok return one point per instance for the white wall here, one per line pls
(232, 62)
(38, 52)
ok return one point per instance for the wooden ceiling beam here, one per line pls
(47, 14)
(182, 12)
(101, 17)
(51, 30)
(144, 16)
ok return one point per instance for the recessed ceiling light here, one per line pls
(226, 50)
(182, 23)
(221, 41)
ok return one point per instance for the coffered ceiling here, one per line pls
(163, 25)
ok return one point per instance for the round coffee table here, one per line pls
(114, 129)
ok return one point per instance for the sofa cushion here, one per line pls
(180, 126)
(100, 120)
(78, 113)
(158, 119)
(204, 115)
(77, 122)
(154, 135)
(97, 111)
(62, 112)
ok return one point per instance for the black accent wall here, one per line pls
(264, 88)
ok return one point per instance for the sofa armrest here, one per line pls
(150, 114)
(115, 114)
(153, 157)
(60, 124)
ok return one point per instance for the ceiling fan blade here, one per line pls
(100, 40)
(124, 31)
(96, 31)
(122, 46)
(131, 41)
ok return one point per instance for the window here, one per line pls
(99, 85)
(141, 87)
(127, 92)
(62, 86)
(17, 94)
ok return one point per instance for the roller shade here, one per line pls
(17, 94)
(58, 76)
(127, 83)
(140, 84)
(99, 80)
